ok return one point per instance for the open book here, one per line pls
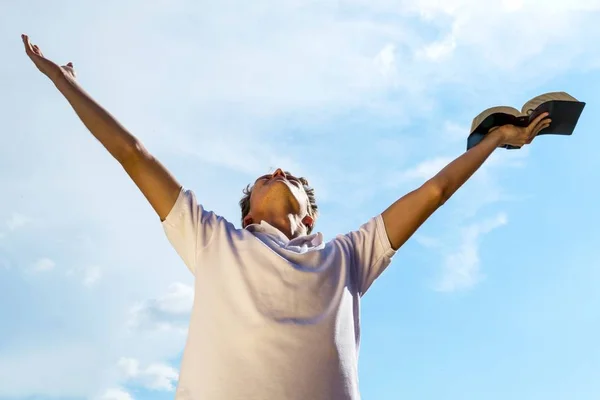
(564, 111)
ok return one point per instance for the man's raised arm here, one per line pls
(408, 213)
(151, 177)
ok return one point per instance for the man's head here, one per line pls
(283, 200)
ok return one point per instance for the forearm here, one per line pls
(455, 174)
(113, 136)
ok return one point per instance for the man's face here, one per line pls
(279, 191)
(277, 188)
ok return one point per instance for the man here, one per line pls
(276, 309)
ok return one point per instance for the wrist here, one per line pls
(61, 80)
(496, 134)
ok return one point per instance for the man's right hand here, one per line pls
(47, 67)
(151, 177)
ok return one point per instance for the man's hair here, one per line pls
(313, 209)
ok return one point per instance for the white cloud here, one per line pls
(461, 267)
(88, 275)
(156, 376)
(386, 60)
(423, 171)
(512, 5)
(427, 241)
(115, 394)
(17, 221)
(43, 265)
(454, 132)
(166, 312)
(91, 276)
(439, 50)
(14, 222)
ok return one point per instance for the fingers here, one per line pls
(538, 119)
(535, 126)
(29, 48)
(70, 69)
(519, 136)
(538, 128)
(543, 125)
(27, 44)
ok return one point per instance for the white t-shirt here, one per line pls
(273, 318)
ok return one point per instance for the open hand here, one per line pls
(47, 67)
(518, 136)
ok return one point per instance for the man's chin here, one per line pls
(278, 183)
(277, 189)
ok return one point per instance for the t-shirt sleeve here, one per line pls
(371, 252)
(190, 228)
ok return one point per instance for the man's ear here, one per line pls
(247, 221)
(308, 221)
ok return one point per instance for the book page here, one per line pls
(493, 110)
(534, 103)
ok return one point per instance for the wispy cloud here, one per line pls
(438, 51)
(91, 276)
(43, 265)
(166, 312)
(455, 133)
(155, 376)
(17, 221)
(88, 275)
(422, 171)
(461, 268)
(115, 394)
(427, 241)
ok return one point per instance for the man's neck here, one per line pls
(287, 225)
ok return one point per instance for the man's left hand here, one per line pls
(519, 136)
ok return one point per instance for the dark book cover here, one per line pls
(564, 115)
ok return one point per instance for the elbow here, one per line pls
(438, 191)
(130, 152)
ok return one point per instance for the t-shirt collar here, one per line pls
(314, 239)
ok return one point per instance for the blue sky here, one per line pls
(494, 298)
